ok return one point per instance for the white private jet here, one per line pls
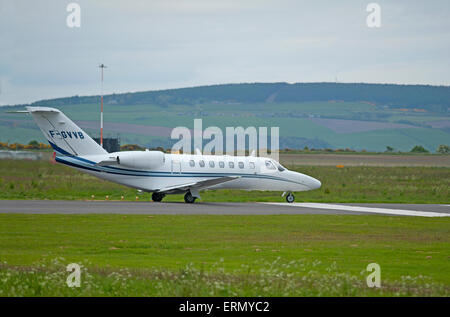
(161, 173)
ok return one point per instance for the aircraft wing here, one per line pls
(195, 186)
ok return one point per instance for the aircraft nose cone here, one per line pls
(314, 183)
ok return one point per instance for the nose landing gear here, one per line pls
(290, 198)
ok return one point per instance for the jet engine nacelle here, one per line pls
(141, 160)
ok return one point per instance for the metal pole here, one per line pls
(102, 66)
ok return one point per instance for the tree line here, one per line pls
(430, 98)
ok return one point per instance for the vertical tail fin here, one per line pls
(63, 135)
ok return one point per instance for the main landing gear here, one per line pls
(188, 198)
(290, 198)
(157, 197)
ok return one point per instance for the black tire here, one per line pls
(290, 198)
(188, 198)
(157, 197)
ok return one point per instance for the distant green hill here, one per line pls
(320, 115)
(433, 98)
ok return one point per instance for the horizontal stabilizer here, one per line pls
(17, 111)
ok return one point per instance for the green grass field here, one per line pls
(282, 255)
(277, 255)
(42, 180)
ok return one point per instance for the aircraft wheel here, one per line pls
(157, 197)
(188, 198)
(290, 198)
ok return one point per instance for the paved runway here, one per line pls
(209, 208)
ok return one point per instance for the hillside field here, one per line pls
(354, 116)
(144, 124)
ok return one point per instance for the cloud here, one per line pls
(166, 43)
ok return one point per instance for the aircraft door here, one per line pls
(253, 166)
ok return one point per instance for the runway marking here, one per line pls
(401, 212)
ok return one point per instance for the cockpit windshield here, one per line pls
(273, 165)
(280, 167)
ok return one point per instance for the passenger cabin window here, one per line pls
(221, 164)
(201, 163)
(211, 163)
(191, 163)
(241, 164)
(231, 164)
(270, 165)
(252, 165)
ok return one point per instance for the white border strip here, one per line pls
(401, 212)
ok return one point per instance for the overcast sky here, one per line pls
(158, 44)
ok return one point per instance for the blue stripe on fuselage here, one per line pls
(118, 171)
(121, 171)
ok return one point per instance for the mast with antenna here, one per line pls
(102, 67)
(1, 83)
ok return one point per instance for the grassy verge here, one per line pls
(354, 152)
(42, 180)
(283, 255)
